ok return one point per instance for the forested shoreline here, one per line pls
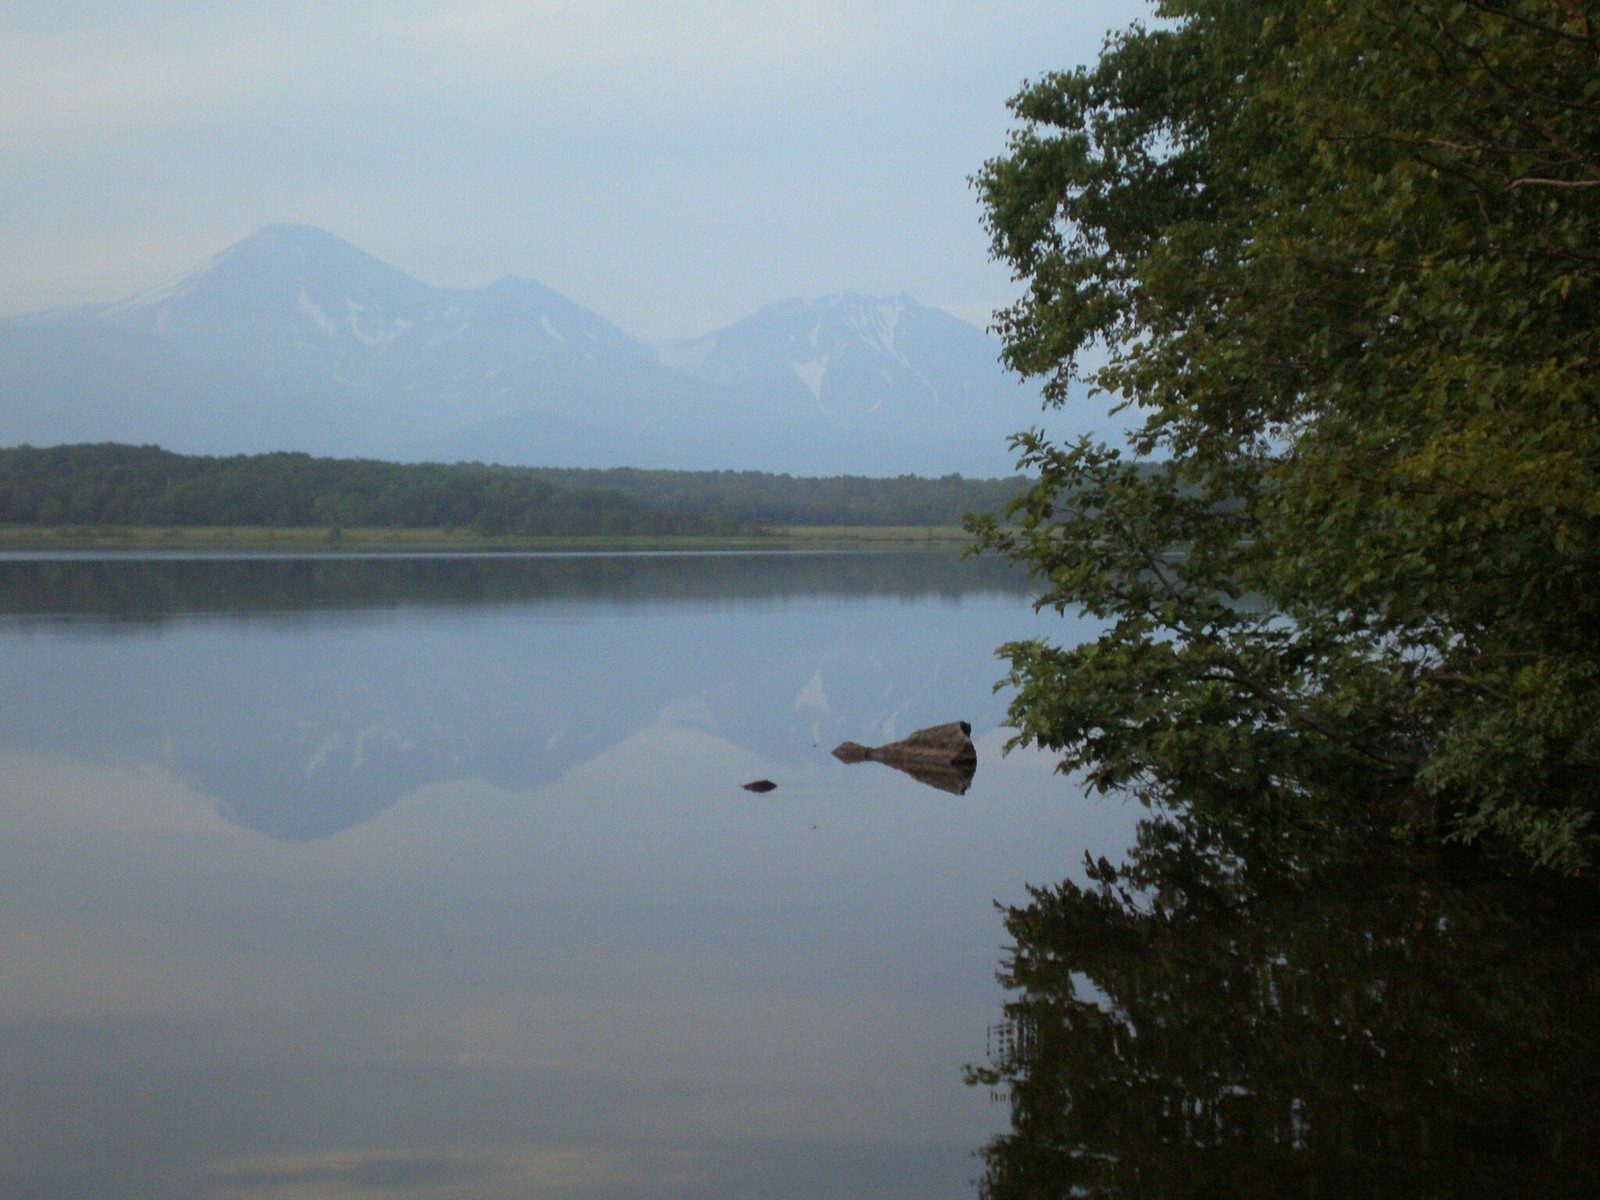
(759, 498)
(111, 484)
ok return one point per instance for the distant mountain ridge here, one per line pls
(294, 339)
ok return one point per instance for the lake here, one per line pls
(435, 876)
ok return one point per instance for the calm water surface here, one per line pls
(434, 877)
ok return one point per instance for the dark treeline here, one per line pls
(758, 498)
(112, 484)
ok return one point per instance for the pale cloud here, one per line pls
(647, 44)
(672, 164)
(113, 81)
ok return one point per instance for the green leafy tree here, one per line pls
(1344, 261)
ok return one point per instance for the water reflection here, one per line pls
(1204, 1022)
(518, 930)
(309, 695)
(514, 926)
(146, 589)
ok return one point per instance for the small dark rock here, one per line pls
(760, 785)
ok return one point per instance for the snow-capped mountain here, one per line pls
(294, 339)
(846, 357)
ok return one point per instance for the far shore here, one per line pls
(307, 540)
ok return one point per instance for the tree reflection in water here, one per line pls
(1242, 1016)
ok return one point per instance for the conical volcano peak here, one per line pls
(279, 274)
(298, 256)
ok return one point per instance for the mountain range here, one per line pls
(293, 339)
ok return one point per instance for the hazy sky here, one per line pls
(672, 165)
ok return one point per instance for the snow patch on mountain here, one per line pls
(811, 374)
(353, 312)
(310, 308)
(292, 339)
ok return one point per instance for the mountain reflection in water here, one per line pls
(310, 694)
(515, 929)
(1202, 1022)
(434, 878)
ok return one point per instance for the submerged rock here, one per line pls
(940, 756)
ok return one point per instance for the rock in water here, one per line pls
(940, 756)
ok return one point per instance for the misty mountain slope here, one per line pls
(294, 339)
(248, 289)
(856, 359)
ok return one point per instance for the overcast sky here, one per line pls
(672, 165)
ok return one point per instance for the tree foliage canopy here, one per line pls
(112, 484)
(146, 485)
(1344, 259)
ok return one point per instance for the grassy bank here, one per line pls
(345, 541)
